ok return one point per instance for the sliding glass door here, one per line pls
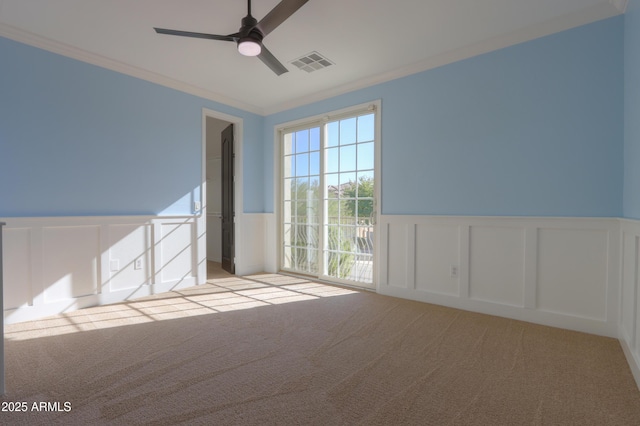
(302, 201)
(328, 198)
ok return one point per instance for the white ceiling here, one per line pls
(369, 41)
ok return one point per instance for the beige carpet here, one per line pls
(274, 350)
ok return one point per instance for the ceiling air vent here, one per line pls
(312, 62)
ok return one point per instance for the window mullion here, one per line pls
(323, 203)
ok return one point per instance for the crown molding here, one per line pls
(49, 45)
(589, 15)
(603, 10)
(621, 5)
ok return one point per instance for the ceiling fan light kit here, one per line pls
(249, 37)
(249, 47)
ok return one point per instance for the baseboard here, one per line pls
(35, 312)
(551, 319)
(634, 366)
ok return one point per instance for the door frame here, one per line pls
(375, 105)
(201, 220)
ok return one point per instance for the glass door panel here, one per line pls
(328, 200)
(348, 197)
(301, 201)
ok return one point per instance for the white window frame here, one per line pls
(320, 120)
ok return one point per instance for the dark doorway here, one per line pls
(228, 212)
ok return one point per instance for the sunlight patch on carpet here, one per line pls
(217, 296)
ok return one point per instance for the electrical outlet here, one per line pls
(454, 271)
(137, 264)
(114, 265)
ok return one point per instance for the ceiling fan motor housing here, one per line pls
(248, 31)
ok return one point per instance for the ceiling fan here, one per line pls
(249, 37)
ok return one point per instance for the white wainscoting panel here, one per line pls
(496, 264)
(271, 245)
(70, 271)
(400, 257)
(59, 264)
(577, 260)
(177, 253)
(629, 280)
(629, 295)
(250, 243)
(130, 244)
(440, 252)
(17, 256)
(561, 272)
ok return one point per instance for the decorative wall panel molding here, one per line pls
(55, 265)
(60, 264)
(629, 327)
(575, 273)
(561, 272)
(250, 244)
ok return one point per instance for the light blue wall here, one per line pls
(76, 139)
(535, 129)
(632, 111)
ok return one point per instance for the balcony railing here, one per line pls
(348, 245)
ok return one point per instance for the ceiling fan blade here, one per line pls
(269, 60)
(196, 35)
(278, 15)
